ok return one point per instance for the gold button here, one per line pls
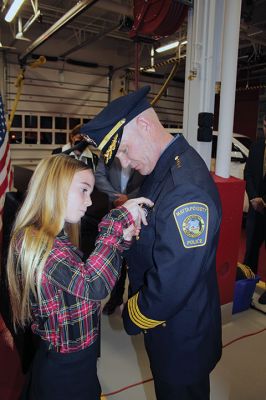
(164, 325)
(144, 331)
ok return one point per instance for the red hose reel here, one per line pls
(157, 17)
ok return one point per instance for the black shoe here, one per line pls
(110, 307)
(262, 298)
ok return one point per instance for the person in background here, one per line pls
(120, 184)
(89, 223)
(81, 151)
(173, 290)
(255, 177)
(53, 288)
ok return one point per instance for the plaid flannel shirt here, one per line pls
(68, 313)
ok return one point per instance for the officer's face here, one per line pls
(137, 149)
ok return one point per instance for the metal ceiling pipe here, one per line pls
(106, 5)
(251, 66)
(253, 39)
(115, 7)
(65, 19)
(90, 41)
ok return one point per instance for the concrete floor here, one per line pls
(240, 375)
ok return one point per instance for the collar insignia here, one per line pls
(178, 161)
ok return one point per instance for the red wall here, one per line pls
(231, 192)
(246, 112)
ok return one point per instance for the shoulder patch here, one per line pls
(192, 221)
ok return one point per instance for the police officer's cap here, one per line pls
(106, 129)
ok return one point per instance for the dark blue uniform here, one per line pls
(173, 290)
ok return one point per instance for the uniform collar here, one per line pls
(166, 161)
(168, 157)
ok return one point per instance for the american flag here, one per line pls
(6, 174)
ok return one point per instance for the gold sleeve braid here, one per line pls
(137, 317)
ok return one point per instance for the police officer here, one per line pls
(173, 293)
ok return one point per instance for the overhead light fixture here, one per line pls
(31, 20)
(15, 6)
(151, 69)
(168, 46)
(183, 43)
(2, 47)
(20, 35)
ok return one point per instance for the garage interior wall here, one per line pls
(52, 102)
(246, 116)
(55, 99)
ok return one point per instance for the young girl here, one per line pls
(50, 284)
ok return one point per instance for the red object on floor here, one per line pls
(231, 192)
(11, 377)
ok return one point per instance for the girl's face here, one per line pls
(79, 195)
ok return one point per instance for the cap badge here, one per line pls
(108, 154)
(89, 140)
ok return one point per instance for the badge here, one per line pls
(192, 221)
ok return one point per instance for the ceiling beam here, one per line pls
(65, 19)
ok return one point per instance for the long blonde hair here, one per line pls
(38, 222)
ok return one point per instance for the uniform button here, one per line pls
(164, 325)
(144, 331)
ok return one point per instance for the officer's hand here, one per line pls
(134, 206)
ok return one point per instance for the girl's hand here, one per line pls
(131, 231)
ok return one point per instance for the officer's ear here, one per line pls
(143, 124)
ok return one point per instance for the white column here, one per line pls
(228, 86)
(203, 51)
(3, 76)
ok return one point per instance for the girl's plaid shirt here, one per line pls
(68, 313)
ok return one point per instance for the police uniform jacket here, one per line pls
(174, 296)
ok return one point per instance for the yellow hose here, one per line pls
(19, 84)
(40, 61)
(166, 83)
